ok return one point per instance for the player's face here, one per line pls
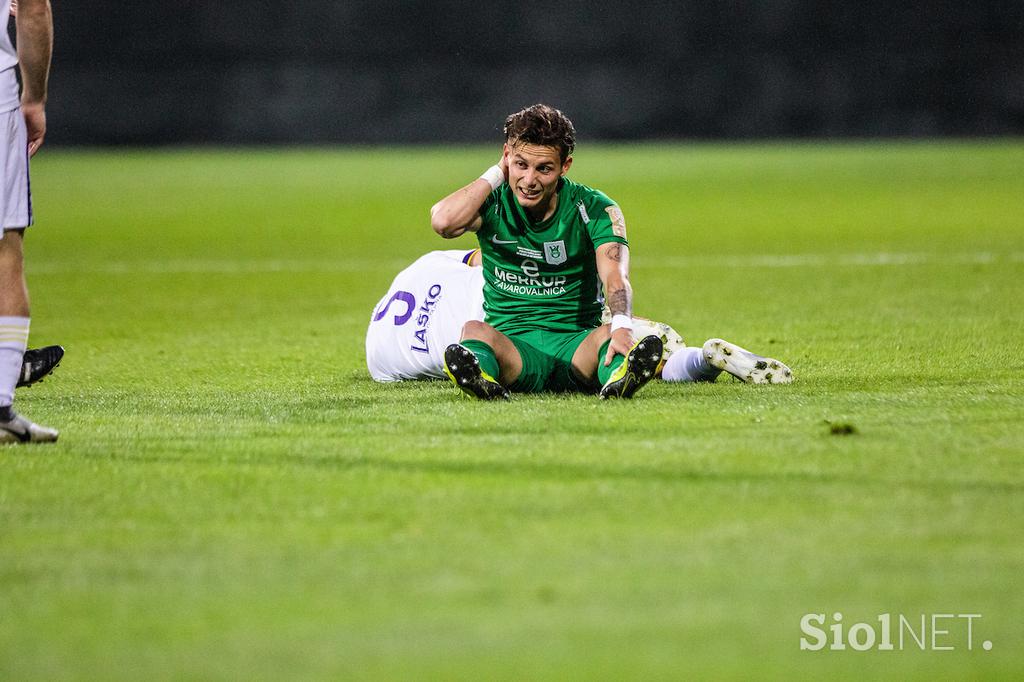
(533, 174)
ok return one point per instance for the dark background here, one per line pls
(409, 72)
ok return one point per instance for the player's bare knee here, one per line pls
(477, 331)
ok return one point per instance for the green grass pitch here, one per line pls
(233, 498)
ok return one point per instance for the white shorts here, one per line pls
(15, 190)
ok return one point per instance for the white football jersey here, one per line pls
(9, 99)
(422, 313)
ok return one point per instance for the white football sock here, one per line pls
(13, 342)
(688, 364)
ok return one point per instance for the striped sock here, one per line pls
(13, 342)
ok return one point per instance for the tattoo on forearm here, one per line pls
(618, 302)
(615, 252)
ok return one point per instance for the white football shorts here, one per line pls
(15, 190)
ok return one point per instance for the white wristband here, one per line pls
(494, 176)
(622, 322)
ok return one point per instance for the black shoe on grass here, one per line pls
(463, 369)
(636, 370)
(39, 362)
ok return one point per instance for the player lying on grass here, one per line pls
(549, 246)
(431, 301)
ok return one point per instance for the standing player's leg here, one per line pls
(22, 130)
(14, 326)
(484, 362)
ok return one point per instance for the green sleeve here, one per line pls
(487, 212)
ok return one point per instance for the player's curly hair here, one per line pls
(543, 125)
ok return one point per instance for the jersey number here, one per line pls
(405, 297)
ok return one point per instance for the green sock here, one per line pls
(604, 373)
(485, 354)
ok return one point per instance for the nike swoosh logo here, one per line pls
(495, 240)
(23, 436)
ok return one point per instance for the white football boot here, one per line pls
(671, 340)
(20, 430)
(744, 365)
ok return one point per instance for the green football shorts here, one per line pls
(547, 361)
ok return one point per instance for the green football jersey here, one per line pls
(544, 275)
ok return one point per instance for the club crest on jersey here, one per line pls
(554, 252)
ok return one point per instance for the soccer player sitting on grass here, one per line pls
(429, 303)
(547, 243)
